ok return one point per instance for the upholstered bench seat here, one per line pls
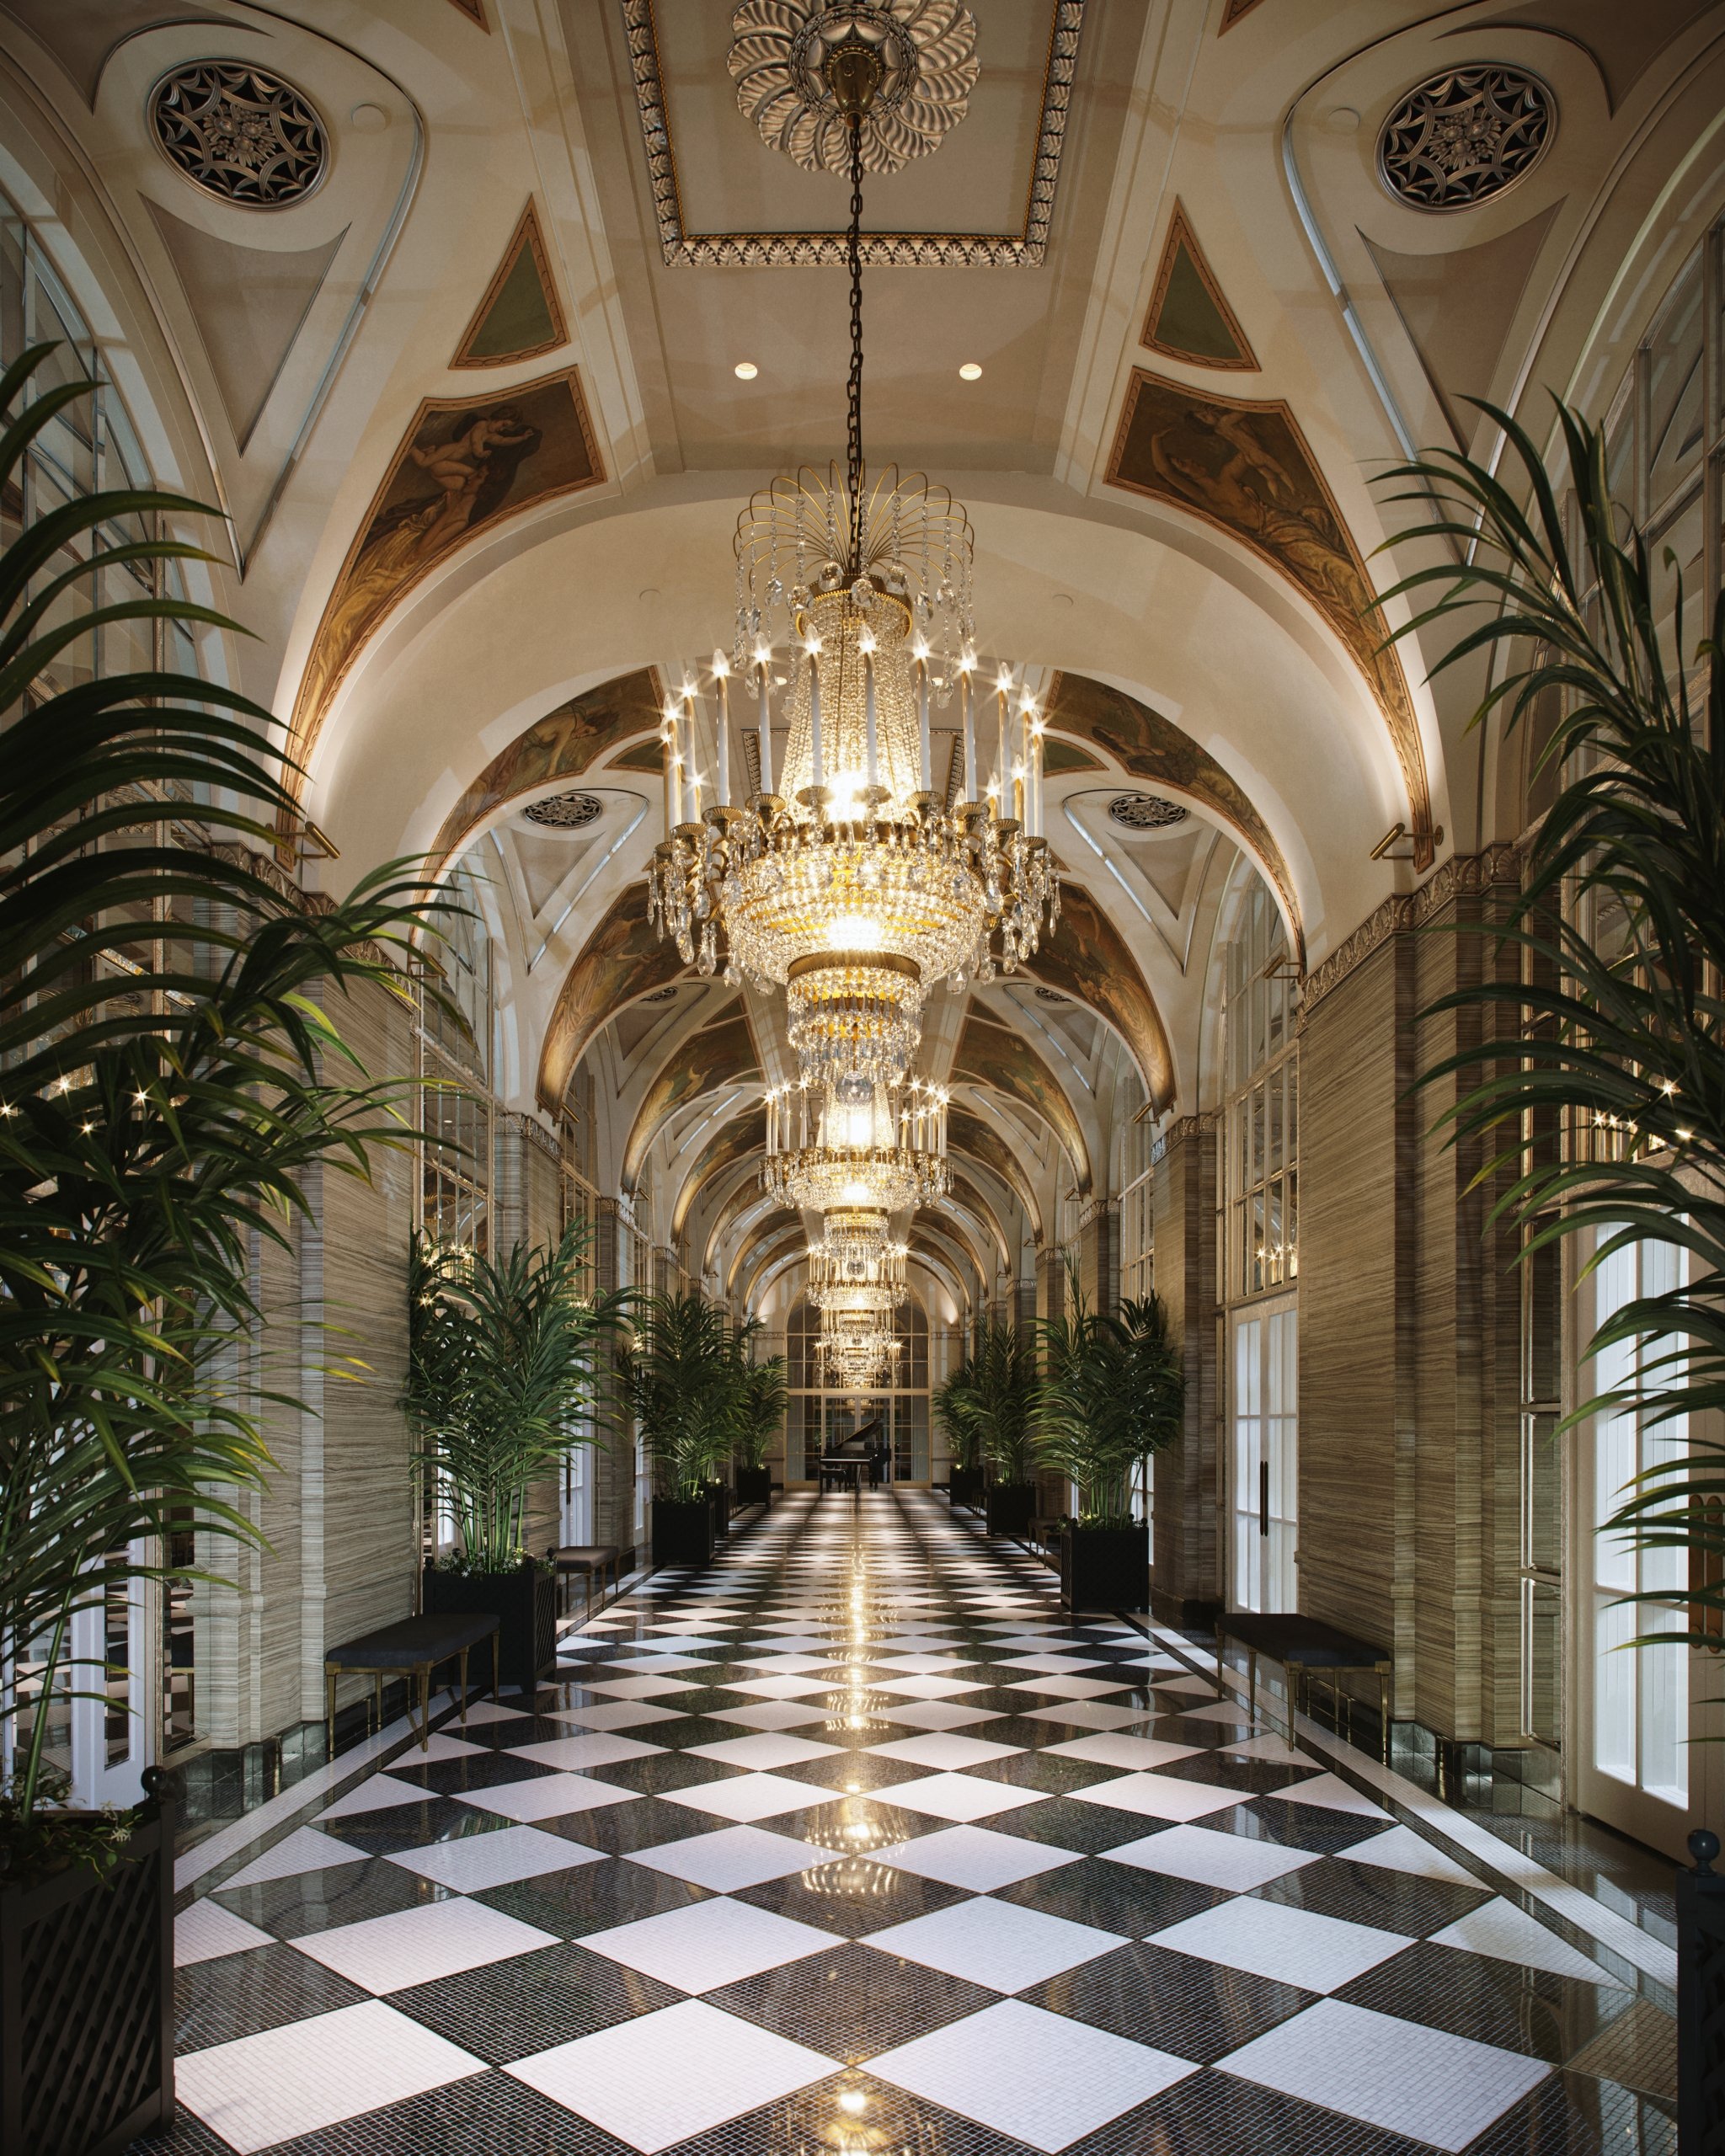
(415, 1645)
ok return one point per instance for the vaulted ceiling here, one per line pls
(1205, 324)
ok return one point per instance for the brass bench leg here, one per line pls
(378, 1697)
(424, 1706)
(464, 1687)
(329, 1713)
(1252, 1667)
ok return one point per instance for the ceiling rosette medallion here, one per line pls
(926, 53)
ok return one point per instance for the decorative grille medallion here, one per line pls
(239, 133)
(1051, 996)
(927, 50)
(1458, 138)
(565, 812)
(1146, 811)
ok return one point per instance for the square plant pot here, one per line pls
(1105, 1567)
(87, 1998)
(1012, 1506)
(682, 1532)
(719, 1497)
(754, 1486)
(524, 1603)
(964, 1488)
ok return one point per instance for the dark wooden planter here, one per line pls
(720, 1497)
(965, 1486)
(754, 1486)
(524, 1603)
(1012, 1506)
(86, 1999)
(1105, 1567)
(682, 1533)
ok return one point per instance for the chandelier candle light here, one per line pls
(848, 882)
(857, 1143)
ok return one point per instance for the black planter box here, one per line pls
(682, 1533)
(86, 2001)
(524, 1603)
(719, 1497)
(1105, 1567)
(1012, 1506)
(754, 1486)
(965, 1486)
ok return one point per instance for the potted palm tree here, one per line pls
(677, 1376)
(992, 1393)
(503, 1368)
(169, 1071)
(1112, 1394)
(762, 1396)
(965, 1479)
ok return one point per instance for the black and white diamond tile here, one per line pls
(854, 1843)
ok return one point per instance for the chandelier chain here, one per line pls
(853, 445)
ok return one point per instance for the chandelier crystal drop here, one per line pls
(851, 879)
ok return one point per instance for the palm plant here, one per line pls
(1618, 1029)
(503, 1362)
(759, 1397)
(1111, 1394)
(989, 1399)
(169, 1071)
(678, 1376)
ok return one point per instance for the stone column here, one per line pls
(1186, 1568)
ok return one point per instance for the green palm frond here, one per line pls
(1111, 1394)
(504, 1366)
(171, 1068)
(1617, 1024)
(678, 1376)
(988, 1402)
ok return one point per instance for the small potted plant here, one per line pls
(1111, 1394)
(502, 1373)
(677, 1375)
(762, 1398)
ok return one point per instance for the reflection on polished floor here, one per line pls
(851, 1845)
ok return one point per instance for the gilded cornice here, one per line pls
(1462, 875)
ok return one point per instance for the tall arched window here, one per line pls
(1259, 1199)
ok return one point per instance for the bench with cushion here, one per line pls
(1302, 1644)
(589, 1559)
(413, 1648)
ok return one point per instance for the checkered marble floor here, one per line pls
(853, 1843)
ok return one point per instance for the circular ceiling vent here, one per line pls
(1146, 811)
(240, 133)
(1462, 137)
(565, 812)
(661, 995)
(1051, 996)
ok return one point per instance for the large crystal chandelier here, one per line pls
(850, 1282)
(857, 1351)
(846, 880)
(858, 1144)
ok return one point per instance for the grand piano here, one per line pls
(864, 1452)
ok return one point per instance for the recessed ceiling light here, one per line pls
(745, 370)
(969, 371)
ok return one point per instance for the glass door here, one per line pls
(1264, 1467)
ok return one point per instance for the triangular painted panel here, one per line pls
(474, 10)
(519, 316)
(1232, 12)
(1188, 318)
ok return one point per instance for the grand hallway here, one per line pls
(850, 1845)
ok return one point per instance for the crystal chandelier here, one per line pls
(848, 882)
(857, 1144)
(858, 1350)
(848, 1281)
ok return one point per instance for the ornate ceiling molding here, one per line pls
(1463, 875)
(1023, 249)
